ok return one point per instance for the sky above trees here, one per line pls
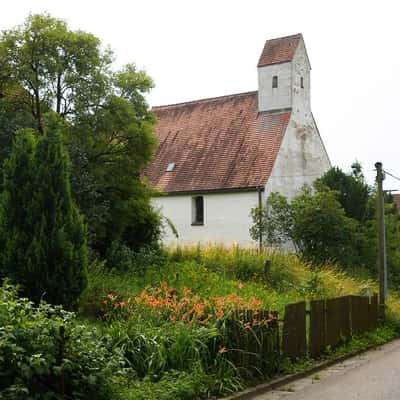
(210, 48)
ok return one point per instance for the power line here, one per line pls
(393, 176)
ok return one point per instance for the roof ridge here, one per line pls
(285, 37)
(184, 103)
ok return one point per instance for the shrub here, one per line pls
(45, 354)
(122, 258)
(42, 234)
(314, 222)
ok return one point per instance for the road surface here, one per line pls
(374, 375)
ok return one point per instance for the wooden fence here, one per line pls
(331, 322)
(253, 337)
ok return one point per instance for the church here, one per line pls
(220, 157)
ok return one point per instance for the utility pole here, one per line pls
(382, 240)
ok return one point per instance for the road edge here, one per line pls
(286, 379)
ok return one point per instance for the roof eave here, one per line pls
(213, 191)
(259, 65)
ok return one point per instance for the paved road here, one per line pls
(372, 376)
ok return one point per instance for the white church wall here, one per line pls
(301, 96)
(302, 157)
(226, 218)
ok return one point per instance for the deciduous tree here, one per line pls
(108, 125)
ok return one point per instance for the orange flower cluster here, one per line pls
(165, 303)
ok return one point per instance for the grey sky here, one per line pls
(198, 49)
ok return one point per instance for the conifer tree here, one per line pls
(42, 232)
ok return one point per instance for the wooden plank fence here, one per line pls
(337, 314)
(254, 341)
(294, 337)
(317, 328)
(332, 322)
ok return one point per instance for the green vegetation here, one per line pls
(166, 329)
(335, 221)
(46, 354)
(45, 67)
(153, 323)
(42, 235)
(175, 355)
(353, 192)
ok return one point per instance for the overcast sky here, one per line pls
(207, 48)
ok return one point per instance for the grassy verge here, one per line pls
(383, 334)
(171, 317)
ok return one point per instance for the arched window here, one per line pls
(274, 81)
(302, 82)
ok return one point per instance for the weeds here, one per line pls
(174, 322)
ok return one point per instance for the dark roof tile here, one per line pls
(279, 50)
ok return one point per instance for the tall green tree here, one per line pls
(108, 124)
(314, 223)
(353, 191)
(42, 233)
(334, 221)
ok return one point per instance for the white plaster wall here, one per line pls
(270, 98)
(301, 101)
(302, 157)
(226, 218)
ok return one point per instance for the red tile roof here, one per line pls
(216, 144)
(279, 50)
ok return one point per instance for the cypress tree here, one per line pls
(42, 232)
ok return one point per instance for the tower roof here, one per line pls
(279, 50)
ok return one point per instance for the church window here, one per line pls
(198, 210)
(274, 81)
(302, 82)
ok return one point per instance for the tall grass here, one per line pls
(160, 352)
(218, 271)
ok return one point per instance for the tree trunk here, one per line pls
(59, 95)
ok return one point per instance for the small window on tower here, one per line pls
(275, 81)
(302, 82)
(198, 210)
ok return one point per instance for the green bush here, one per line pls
(122, 258)
(42, 234)
(45, 354)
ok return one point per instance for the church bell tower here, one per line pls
(284, 76)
